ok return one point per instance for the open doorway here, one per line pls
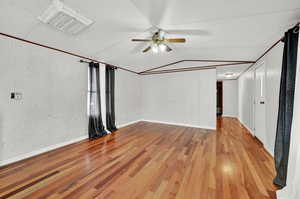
(219, 98)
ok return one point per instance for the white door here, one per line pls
(259, 103)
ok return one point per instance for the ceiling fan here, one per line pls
(158, 42)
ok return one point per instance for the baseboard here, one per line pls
(245, 126)
(164, 122)
(128, 123)
(180, 124)
(285, 193)
(257, 139)
(42, 150)
(230, 116)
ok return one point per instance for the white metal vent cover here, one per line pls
(64, 18)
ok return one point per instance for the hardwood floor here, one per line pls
(149, 160)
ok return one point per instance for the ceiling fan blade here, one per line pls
(139, 47)
(147, 49)
(141, 40)
(177, 40)
(192, 32)
(168, 49)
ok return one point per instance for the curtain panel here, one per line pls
(286, 106)
(96, 128)
(110, 98)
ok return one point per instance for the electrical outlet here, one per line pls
(15, 95)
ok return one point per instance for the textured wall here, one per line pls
(230, 98)
(128, 97)
(184, 98)
(53, 108)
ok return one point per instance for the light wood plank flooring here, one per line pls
(149, 160)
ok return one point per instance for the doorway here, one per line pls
(219, 98)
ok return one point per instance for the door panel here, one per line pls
(252, 99)
(259, 103)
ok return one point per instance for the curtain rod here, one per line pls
(83, 61)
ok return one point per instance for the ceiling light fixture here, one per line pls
(155, 48)
(162, 47)
(229, 74)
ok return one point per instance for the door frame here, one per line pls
(219, 96)
(259, 64)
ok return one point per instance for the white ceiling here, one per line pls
(236, 30)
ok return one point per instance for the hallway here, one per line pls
(244, 168)
(149, 160)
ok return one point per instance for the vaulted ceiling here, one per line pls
(234, 29)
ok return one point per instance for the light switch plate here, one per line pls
(16, 95)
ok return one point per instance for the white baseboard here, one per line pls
(252, 133)
(285, 193)
(170, 123)
(271, 152)
(42, 150)
(180, 124)
(232, 116)
(128, 123)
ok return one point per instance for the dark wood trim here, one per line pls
(197, 60)
(191, 68)
(268, 50)
(65, 52)
(150, 71)
(119, 67)
(219, 87)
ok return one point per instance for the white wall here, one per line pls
(128, 100)
(273, 73)
(245, 99)
(53, 108)
(292, 190)
(184, 98)
(53, 111)
(230, 98)
(273, 62)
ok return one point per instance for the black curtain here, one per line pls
(286, 104)
(96, 128)
(110, 98)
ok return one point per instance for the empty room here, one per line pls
(149, 99)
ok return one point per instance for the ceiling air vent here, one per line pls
(64, 18)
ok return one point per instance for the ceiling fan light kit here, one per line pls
(155, 48)
(229, 74)
(159, 42)
(162, 47)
